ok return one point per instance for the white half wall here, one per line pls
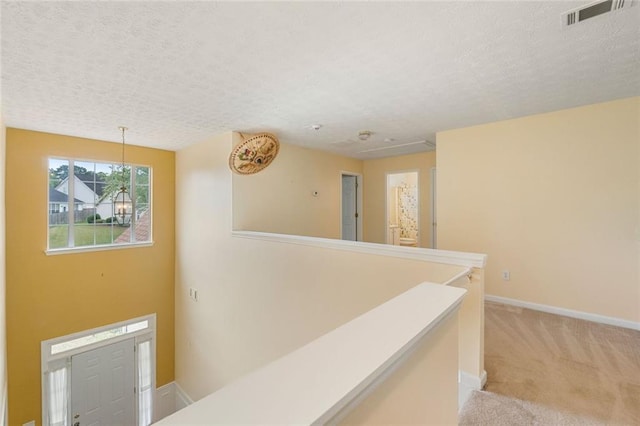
(169, 399)
(252, 294)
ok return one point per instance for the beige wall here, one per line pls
(421, 391)
(375, 183)
(3, 334)
(259, 300)
(555, 199)
(279, 199)
(51, 296)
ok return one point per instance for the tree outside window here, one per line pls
(82, 210)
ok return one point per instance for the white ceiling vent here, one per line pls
(592, 10)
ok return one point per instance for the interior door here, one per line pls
(102, 386)
(349, 208)
(434, 219)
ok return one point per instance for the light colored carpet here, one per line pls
(546, 369)
(486, 408)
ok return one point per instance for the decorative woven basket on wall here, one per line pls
(254, 154)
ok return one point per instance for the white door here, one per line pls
(349, 210)
(434, 219)
(102, 386)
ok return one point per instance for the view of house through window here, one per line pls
(84, 211)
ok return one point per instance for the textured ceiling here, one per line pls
(177, 73)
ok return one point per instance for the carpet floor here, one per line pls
(546, 369)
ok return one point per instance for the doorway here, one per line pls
(351, 206)
(434, 220)
(105, 375)
(102, 385)
(403, 213)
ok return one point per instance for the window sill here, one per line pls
(72, 250)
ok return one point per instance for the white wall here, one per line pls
(555, 199)
(259, 300)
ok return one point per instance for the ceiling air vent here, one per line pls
(592, 10)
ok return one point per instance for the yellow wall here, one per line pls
(375, 184)
(555, 199)
(279, 199)
(3, 334)
(50, 296)
(259, 300)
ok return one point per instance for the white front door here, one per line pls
(102, 386)
(349, 208)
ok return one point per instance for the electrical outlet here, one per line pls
(193, 294)
(506, 275)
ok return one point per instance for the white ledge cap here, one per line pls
(313, 383)
(471, 260)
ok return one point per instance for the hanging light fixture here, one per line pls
(122, 204)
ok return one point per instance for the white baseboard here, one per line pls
(169, 399)
(165, 401)
(182, 399)
(472, 381)
(618, 322)
(467, 383)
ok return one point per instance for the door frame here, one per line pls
(434, 217)
(53, 357)
(360, 218)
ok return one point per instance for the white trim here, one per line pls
(182, 398)
(359, 204)
(467, 272)
(467, 383)
(472, 381)
(471, 260)
(602, 319)
(46, 345)
(71, 195)
(434, 211)
(84, 249)
(170, 398)
(165, 401)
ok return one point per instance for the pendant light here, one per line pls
(122, 204)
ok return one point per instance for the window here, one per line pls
(84, 212)
(91, 338)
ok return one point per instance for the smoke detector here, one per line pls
(592, 10)
(364, 135)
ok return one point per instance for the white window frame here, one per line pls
(71, 212)
(52, 361)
